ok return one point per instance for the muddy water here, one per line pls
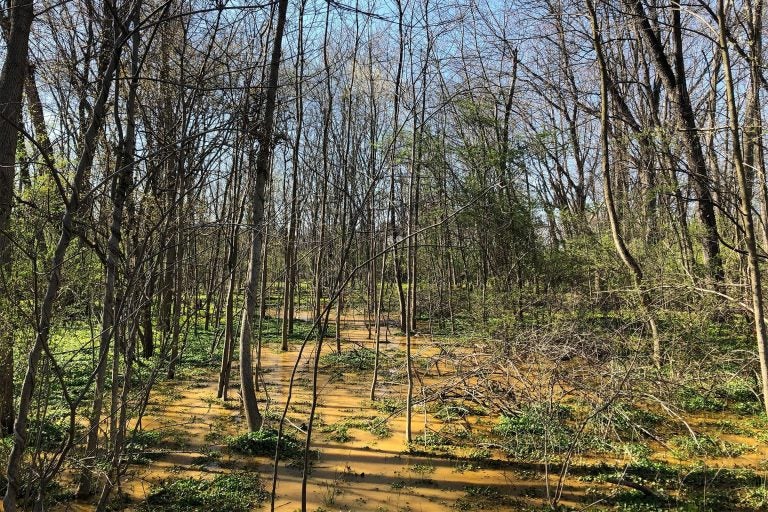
(365, 473)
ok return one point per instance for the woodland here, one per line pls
(383, 255)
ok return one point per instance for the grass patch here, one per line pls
(685, 447)
(236, 492)
(356, 359)
(535, 432)
(264, 443)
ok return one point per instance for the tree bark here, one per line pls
(677, 91)
(263, 158)
(12, 79)
(745, 207)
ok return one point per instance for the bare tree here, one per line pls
(12, 79)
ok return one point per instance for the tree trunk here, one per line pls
(12, 79)
(618, 239)
(54, 281)
(290, 250)
(231, 269)
(745, 207)
(677, 90)
(259, 183)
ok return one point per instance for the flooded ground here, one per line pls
(362, 468)
(357, 471)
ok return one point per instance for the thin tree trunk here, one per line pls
(123, 178)
(259, 183)
(290, 250)
(379, 313)
(263, 287)
(618, 239)
(754, 158)
(395, 130)
(677, 90)
(229, 309)
(745, 207)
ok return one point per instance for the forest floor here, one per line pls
(362, 463)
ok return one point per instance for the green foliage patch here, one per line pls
(339, 432)
(685, 447)
(236, 492)
(693, 400)
(388, 405)
(534, 433)
(375, 425)
(679, 487)
(49, 433)
(355, 359)
(264, 442)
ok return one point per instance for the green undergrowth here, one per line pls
(482, 498)
(354, 359)
(264, 442)
(386, 405)
(236, 492)
(660, 485)
(704, 445)
(738, 395)
(142, 441)
(536, 432)
(455, 411)
(272, 327)
(340, 431)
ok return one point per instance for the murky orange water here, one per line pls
(364, 473)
